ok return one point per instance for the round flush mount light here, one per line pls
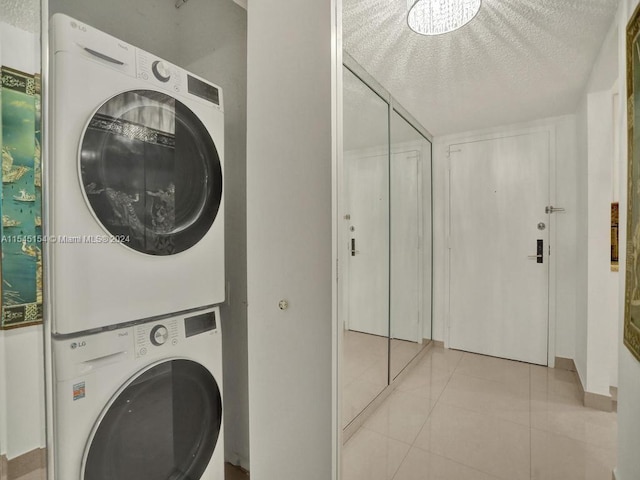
(435, 17)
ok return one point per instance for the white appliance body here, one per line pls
(122, 396)
(97, 279)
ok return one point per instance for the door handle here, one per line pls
(539, 256)
(353, 247)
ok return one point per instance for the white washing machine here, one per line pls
(141, 402)
(136, 225)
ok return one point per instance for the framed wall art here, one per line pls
(632, 278)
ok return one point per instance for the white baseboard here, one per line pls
(565, 364)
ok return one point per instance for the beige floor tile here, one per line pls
(478, 428)
(356, 396)
(359, 342)
(554, 457)
(562, 415)
(355, 364)
(377, 373)
(422, 465)
(491, 445)
(497, 399)
(402, 352)
(443, 358)
(369, 455)
(40, 474)
(425, 380)
(364, 372)
(400, 417)
(555, 383)
(496, 369)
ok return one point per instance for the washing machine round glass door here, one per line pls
(150, 172)
(164, 425)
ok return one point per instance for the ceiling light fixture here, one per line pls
(435, 17)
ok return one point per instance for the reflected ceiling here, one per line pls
(518, 60)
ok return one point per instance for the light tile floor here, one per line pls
(365, 372)
(461, 416)
(40, 474)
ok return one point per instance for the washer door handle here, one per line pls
(102, 56)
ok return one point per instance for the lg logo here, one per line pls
(80, 344)
(82, 28)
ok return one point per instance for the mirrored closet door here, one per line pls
(365, 287)
(385, 241)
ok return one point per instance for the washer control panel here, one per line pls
(161, 72)
(154, 335)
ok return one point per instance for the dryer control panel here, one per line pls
(158, 71)
(156, 335)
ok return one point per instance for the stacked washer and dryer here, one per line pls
(136, 254)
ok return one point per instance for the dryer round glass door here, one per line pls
(150, 172)
(163, 425)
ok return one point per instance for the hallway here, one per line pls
(461, 416)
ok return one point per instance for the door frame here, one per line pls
(551, 222)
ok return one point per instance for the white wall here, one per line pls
(602, 283)
(582, 285)
(148, 24)
(24, 352)
(597, 287)
(213, 44)
(629, 368)
(22, 426)
(292, 75)
(564, 224)
(209, 39)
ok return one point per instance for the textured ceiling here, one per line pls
(518, 60)
(24, 14)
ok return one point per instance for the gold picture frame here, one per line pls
(632, 277)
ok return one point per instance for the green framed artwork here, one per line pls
(21, 227)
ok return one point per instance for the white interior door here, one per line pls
(405, 246)
(367, 195)
(498, 291)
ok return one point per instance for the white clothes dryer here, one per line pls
(141, 402)
(135, 225)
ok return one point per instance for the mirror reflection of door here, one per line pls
(410, 229)
(406, 271)
(364, 252)
(385, 294)
(368, 206)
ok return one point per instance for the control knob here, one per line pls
(161, 71)
(159, 335)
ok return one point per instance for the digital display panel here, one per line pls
(203, 90)
(199, 324)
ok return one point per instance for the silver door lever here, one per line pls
(552, 209)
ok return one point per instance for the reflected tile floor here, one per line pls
(364, 372)
(461, 416)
